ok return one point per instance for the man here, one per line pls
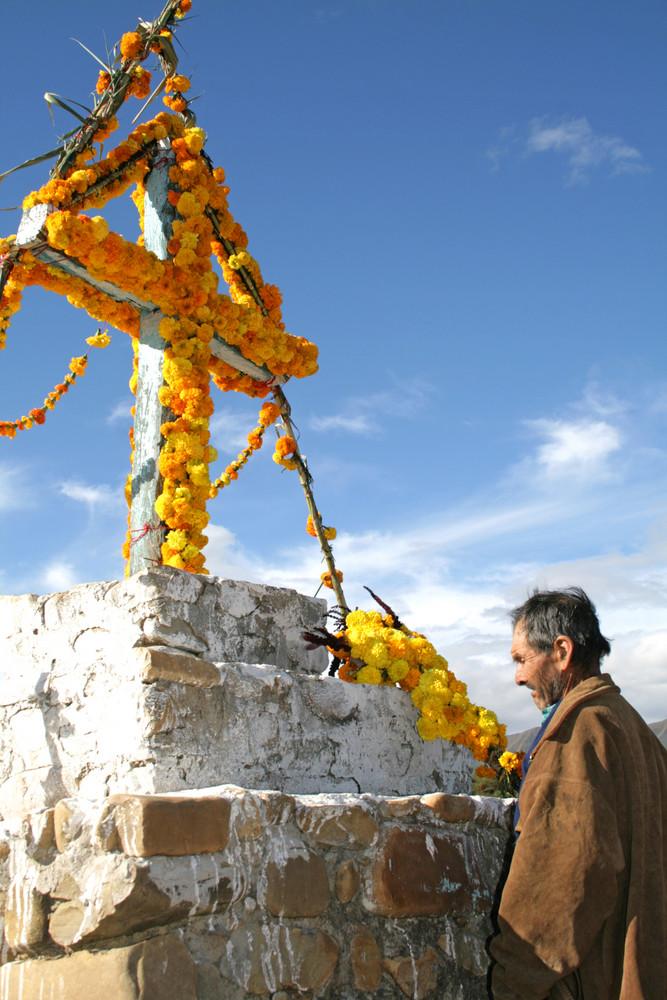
(584, 907)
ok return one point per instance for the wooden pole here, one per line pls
(147, 531)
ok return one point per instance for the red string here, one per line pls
(144, 531)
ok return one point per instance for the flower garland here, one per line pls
(373, 648)
(77, 366)
(268, 415)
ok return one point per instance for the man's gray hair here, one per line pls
(550, 613)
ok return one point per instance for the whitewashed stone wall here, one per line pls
(191, 810)
(170, 681)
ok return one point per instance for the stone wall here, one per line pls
(142, 856)
(231, 893)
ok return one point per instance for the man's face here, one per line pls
(539, 671)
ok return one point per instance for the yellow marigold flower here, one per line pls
(99, 339)
(369, 675)
(78, 365)
(398, 670)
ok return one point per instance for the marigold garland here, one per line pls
(37, 416)
(268, 414)
(373, 648)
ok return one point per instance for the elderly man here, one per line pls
(584, 907)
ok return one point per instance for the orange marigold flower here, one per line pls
(131, 45)
(327, 581)
(484, 771)
(346, 672)
(103, 81)
(285, 446)
(177, 83)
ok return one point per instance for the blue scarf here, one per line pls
(546, 719)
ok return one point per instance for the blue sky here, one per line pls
(463, 205)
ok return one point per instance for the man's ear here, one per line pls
(564, 651)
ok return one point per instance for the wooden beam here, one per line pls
(146, 529)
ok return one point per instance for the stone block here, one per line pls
(25, 916)
(159, 663)
(450, 808)
(338, 825)
(366, 959)
(122, 896)
(171, 825)
(265, 959)
(347, 881)
(416, 873)
(415, 977)
(297, 883)
(158, 968)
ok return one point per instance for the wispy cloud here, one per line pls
(358, 424)
(16, 492)
(363, 416)
(121, 411)
(583, 149)
(230, 428)
(93, 496)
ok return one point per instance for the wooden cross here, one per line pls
(147, 531)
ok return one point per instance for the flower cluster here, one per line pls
(374, 648)
(175, 87)
(329, 533)
(268, 415)
(284, 450)
(327, 578)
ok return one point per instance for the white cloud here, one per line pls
(578, 449)
(572, 138)
(94, 496)
(583, 148)
(58, 576)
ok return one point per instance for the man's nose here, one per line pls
(519, 677)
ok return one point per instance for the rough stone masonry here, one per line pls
(190, 809)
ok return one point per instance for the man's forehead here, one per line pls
(519, 640)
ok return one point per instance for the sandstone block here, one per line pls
(274, 956)
(338, 825)
(347, 881)
(171, 825)
(415, 977)
(450, 808)
(67, 823)
(159, 663)
(366, 960)
(158, 968)
(121, 896)
(25, 916)
(297, 885)
(415, 873)
(42, 833)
